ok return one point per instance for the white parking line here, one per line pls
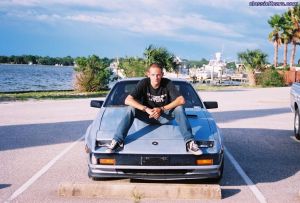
(36, 176)
(247, 180)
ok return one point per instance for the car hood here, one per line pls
(155, 138)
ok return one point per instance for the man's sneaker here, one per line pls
(114, 145)
(193, 148)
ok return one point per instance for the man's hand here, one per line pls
(154, 113)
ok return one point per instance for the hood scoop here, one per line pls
(192, 116)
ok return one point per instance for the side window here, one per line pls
(119, 93)
(189, 94)
(129, 88)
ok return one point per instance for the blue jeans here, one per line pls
(178, 114)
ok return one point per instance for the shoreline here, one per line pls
(51, 95)
(13, 64)
(35, 91)
(71, 95)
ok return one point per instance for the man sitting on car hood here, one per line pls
(155, 100)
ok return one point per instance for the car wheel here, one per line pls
(297, 124)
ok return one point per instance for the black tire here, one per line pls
(297, 124)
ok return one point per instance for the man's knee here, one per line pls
(131, 110)
(179, 109)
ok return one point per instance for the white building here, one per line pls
(216, 66)
(183, 71)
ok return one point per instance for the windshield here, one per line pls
(122, 89)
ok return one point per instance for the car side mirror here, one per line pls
(96, 103)
(211, 104)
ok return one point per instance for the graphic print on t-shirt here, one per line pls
(154, 98)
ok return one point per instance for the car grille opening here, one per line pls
(154, 171)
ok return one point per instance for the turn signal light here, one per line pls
(205, 162)
(107, 161)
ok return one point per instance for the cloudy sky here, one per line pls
(192, 29)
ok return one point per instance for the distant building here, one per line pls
(215, 66)
(183, 70)
(117, 73)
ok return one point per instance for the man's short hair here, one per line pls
(156, 65)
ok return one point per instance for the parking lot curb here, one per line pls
(136, 191)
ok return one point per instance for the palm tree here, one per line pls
(294, 15)
(162, 56)
(148, 53)
(254, 60)
(274, 36)
(286, 35)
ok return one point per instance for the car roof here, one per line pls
(140, 78)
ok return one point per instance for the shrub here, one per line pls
(271, 78)
(133, 67)
(92, 74)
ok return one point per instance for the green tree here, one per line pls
(45, 60)
(30, 58)
(231, 65)
(92, 73)
(254, 60)
(4, 59)
(133, 67)
(286, 35)
(162, 56)
(275, 22)
(194, 64)
(67, 61)
(294, 15)
(271, 78)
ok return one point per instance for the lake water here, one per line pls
(35, 77)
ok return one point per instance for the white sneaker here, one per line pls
(113, 146)
(193, 148)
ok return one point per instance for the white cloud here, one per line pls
(147, 17)
(158, 25)
(168, 19)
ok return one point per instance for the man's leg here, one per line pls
(125, 125)
(186, 130)
(184, 125)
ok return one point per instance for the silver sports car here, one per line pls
(154, 151)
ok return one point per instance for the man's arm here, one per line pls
(158, 111)
(135, 104)
(177, 102)
(132, 102)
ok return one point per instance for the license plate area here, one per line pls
(155, 161)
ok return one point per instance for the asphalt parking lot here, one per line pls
(41, 147)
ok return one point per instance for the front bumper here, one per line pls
(181, 167)
(155, 172)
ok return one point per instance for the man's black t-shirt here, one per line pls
(150, 97)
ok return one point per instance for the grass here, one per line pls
(39, 95)
(50, 95)
(204, 87)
